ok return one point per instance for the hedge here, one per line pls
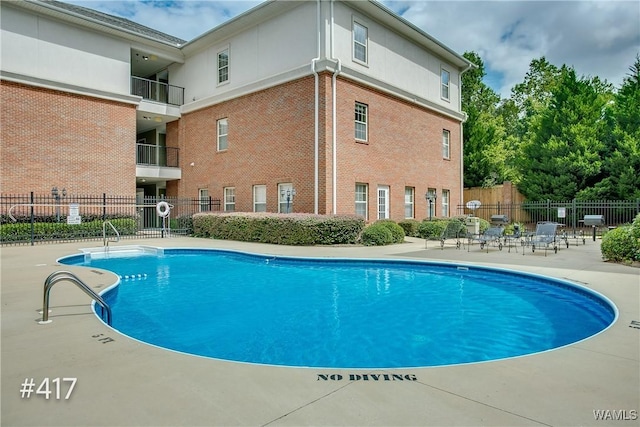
(377, 234)
(397, 232)
(410, 227)
(622, 244)
(21, 232)
(282, 229)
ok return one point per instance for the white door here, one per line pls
(383, 202)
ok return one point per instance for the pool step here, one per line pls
(120, 251)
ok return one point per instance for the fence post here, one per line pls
(548, 210)
(32, 221)
(573, 215)
(104, 206)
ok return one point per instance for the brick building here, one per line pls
(310, 106)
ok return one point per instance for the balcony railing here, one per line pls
(157, 91)
(157, 155)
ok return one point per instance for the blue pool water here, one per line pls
(343, 313)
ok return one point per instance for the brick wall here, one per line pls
(51, 138)
(404, 149)
(271, 138)
(270, 141)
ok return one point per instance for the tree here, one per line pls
(483, 131)
(621, 166)
(562, 151)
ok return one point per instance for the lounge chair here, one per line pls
(492, 236)
(544, 236)
(453, 230)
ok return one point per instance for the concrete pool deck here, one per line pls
(122, 382)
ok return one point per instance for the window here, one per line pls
(229, 199)
(203, 195)
(360, 42)
(445, 203)
(259, 198)
(361, 121)
(361, 200)
(223, 66)
(408, 202)
(431, 201)
(286, 193)
(223, 129)
(383, 202)
(445, 144)
(444, 84)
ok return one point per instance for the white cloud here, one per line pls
(598, 38)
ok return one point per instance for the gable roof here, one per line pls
(112, 21)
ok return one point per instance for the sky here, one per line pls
(597, 38)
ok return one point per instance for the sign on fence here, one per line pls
(74, 214)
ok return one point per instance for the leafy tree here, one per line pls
(483, 132)
(562, 152)
(621, 166)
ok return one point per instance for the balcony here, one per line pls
(157, 91)
(157, 155)
(156, 163)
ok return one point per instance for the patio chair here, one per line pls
(544, 236)
(492, 236)
(452, 231)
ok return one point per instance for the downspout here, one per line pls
(334, 125)
(316, 139)
(469, 66)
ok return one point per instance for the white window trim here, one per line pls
(446, 194)
(387, 208)
(354, 22)
(282, 200)
(203, 193)
(218, 122)
(255, 201)
(366, 122)
(448, 85)
(218, 68)
(364, 202)
(446, 145)
(228, 203)
(410, 202)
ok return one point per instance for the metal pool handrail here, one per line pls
(62, 275)
(106, 241)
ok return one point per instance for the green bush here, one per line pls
(622, 244)
(283, 229)
(377, 234)
(410, 227)
(183, 224)
(397, 232)
(432, 229)
(21, 232)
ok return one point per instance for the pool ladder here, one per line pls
(106, 241)
(62, 275)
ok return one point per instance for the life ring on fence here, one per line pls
(163, 209)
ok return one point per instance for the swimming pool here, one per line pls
(342, 313)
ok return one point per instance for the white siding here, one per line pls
(393, 59)
(46, 49)
(281, 44)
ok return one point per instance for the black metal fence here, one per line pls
(568, 213)
(31, 218)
